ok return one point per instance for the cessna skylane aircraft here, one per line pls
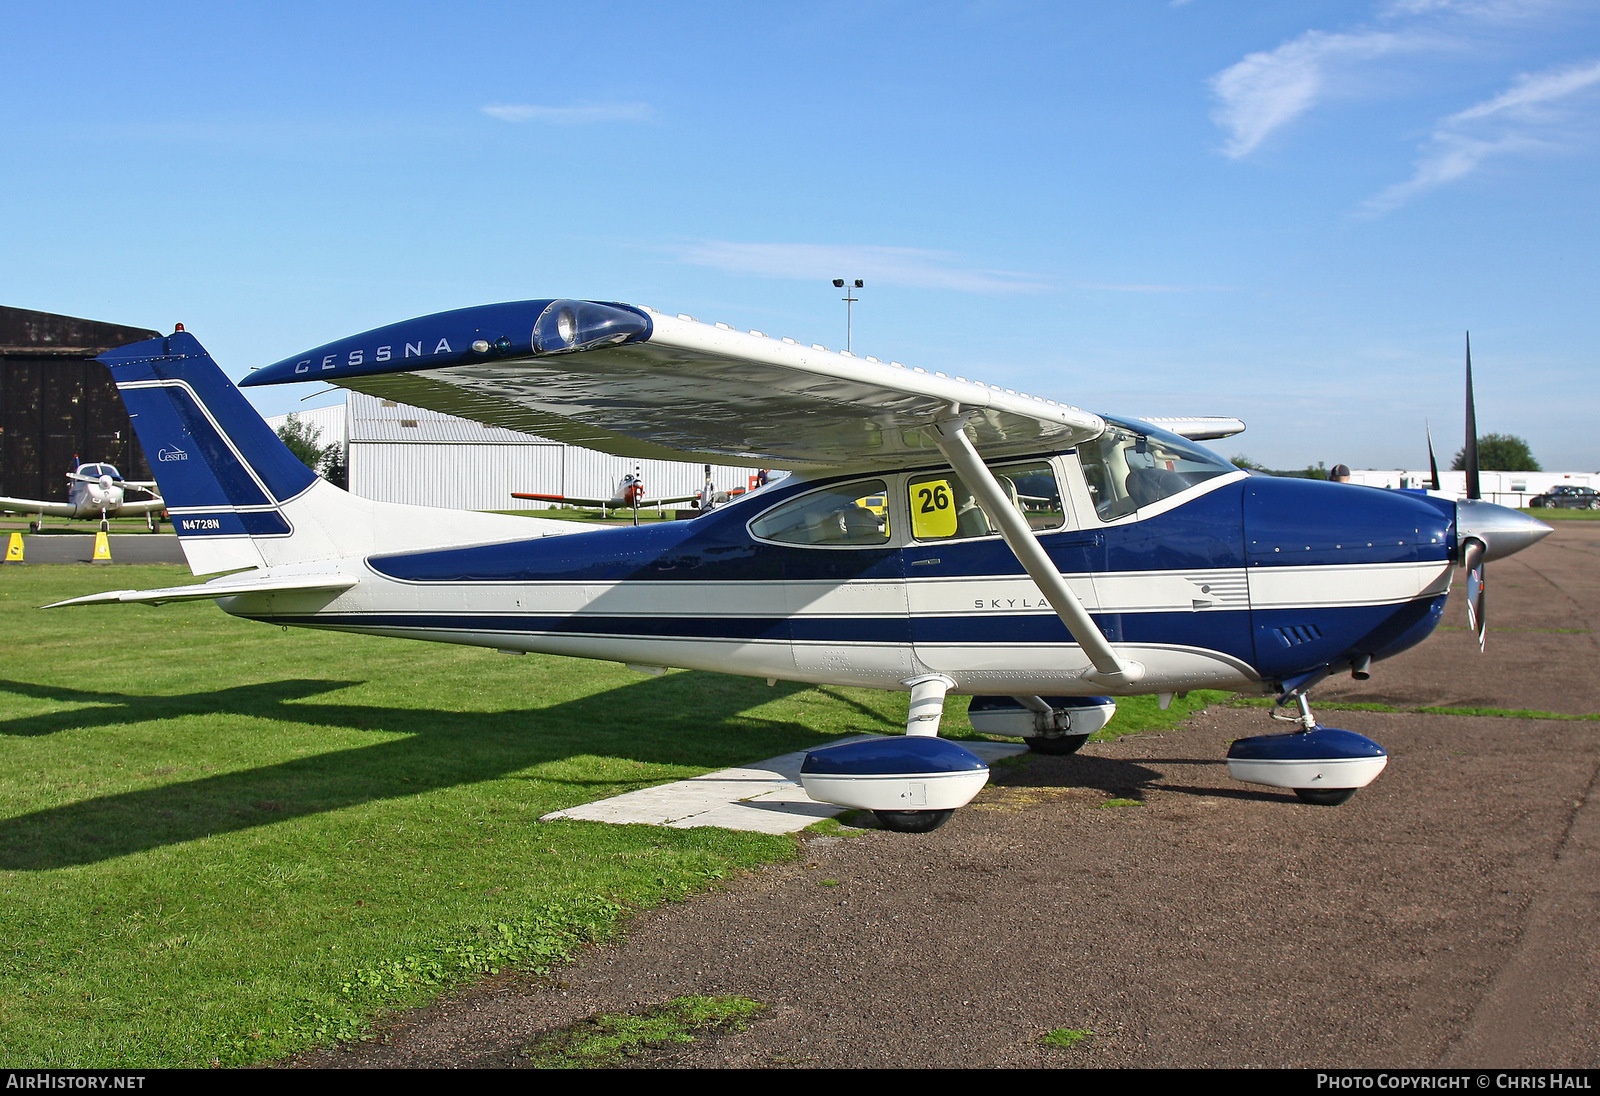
(93, 491)
(938, 535)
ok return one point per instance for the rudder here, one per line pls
(222, 472)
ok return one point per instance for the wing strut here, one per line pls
(1110, 668)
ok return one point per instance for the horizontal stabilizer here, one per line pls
(232, 586)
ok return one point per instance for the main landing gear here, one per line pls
(912, 784)
(1324, 766)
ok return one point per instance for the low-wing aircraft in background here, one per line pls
(93, 491)
(630, 495)
(937, 535)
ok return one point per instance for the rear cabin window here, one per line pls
(943, 507)
(1131, 466)
(848, 515)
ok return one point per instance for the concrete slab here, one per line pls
(764, 797)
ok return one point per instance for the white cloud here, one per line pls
(1267, 90)
(1484, 10)
(898, 266)
(570, 116)
(1543, 111)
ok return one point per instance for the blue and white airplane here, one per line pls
(93, 491)
(937, 535)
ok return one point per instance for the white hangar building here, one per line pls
(399, 453)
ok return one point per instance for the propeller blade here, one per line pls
(1433, 463)
(1472, 560)
(1474, 487)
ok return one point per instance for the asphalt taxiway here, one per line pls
(1444, 917)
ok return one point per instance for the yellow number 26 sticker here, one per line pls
(933, 511)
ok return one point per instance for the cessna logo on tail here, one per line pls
(171, 455)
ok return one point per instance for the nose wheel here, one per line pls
(1323, 766)
(1324, 797)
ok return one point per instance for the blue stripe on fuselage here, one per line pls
(1204, 533)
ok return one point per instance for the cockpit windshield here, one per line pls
(1134, 464)
(95, 471)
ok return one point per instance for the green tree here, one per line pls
(333, 467)
(1239, 460)
(1499, 453)
(301, 438)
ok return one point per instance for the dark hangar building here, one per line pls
(57, 403)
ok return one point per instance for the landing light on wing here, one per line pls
(568, 326)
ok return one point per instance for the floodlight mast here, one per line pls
(849, 305)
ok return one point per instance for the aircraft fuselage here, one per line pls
(1240, 582)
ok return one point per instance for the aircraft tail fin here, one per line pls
(197, 430)
(239, 498)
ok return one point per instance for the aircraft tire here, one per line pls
(105, 526)
(912, 821)
(1324, 797)
(1057, 745)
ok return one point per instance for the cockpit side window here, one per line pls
(943, 507)
(1130, 466)
(846, 515)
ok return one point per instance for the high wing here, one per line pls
(37, 506)
(637, 383)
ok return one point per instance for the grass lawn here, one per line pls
(221, 841)
(1551, 513)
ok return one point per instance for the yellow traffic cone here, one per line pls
(14, 549)
(102, 548)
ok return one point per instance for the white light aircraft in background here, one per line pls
(93, 491)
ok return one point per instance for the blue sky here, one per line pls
(1288, 212)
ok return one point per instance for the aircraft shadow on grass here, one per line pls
(673, 720)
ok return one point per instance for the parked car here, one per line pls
(1568, 497)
